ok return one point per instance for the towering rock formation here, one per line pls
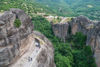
(89, 28)
(60, 30)
(92, 30)
(81, 24)
(20, 46)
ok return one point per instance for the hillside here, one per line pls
(29, 7)
(67, 8)
(59, 7)
(89, 8)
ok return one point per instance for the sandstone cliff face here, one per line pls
(19, 42)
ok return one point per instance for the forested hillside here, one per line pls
(28, 6)
(88, 8)
(58, 6)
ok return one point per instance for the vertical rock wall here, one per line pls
(92, 30)
(81, 24)
(60, 30)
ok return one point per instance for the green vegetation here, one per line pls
(31, 8)
(82, 54)
(56, 20)
(79, 40)
(63, 53)
(73, 53)
(17, 23)
(69, 8)
(89, 8)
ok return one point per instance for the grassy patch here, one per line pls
(17, 23)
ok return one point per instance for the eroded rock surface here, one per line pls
(88, 27)
(41, 55)
(60, 30)
(15, 42)
(10, 36)
(92, 30)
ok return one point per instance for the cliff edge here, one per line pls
(20, 46)
(82, 24)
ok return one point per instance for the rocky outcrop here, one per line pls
(88, 27)
(46, 56)
(15, 41)
(10, 36)
(92, 30)
(60, 30)
(81, 24)
(40, 52)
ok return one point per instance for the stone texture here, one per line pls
(46, 56)
(60, 30)
(42, 56)
(81, 24)
(14, 42)
(92, 30)
(10, 36)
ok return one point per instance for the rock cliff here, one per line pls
(21, 46)
(60, 30)
(88, 27)
(92, 30)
